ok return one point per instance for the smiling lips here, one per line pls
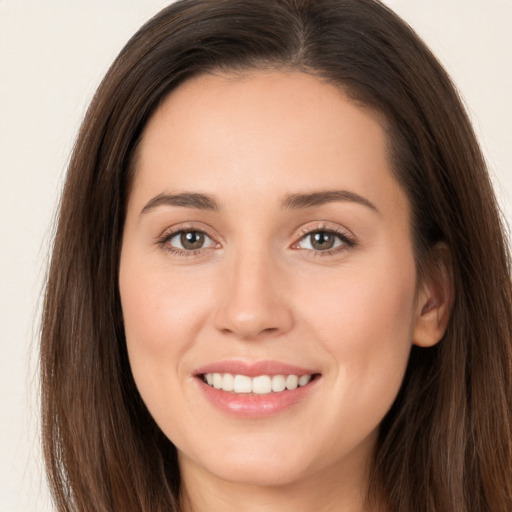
(255, 390)
(260, 385)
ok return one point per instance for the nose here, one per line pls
(253, 303)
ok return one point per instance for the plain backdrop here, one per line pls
(52, 56)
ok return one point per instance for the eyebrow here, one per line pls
(185, 200)
(310, 200)
(292, 202)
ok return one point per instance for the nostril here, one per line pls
(249, 334)
(250, 312)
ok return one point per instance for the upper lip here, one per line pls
(255, 368)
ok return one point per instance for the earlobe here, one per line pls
(435, 298)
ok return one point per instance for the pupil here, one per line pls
(192, 240)
(322, 241)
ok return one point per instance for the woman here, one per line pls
(343, 344)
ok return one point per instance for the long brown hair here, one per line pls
(446, 444)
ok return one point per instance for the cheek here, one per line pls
(364, 320)
(161, 307)
(162, 315)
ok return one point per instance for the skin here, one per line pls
(258, 290)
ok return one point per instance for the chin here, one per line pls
(257, 473)
(259, 465)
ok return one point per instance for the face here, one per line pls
(267, 277)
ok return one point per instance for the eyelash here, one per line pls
(167, 236)
(347, 241)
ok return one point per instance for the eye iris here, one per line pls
(192, 240)
(322, 240)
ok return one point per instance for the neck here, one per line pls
(328, 490)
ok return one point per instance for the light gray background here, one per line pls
(52, 56)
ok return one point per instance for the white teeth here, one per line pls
(228, 382)
(242, 384)
(304, 379)
(292, 381)
(278, 383)
(260, 385)
(217, 380)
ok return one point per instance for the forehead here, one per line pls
(295, 106)
(262, 132)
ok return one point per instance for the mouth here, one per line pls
(240, 384)
(256, 390)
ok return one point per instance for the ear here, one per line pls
(435, 298)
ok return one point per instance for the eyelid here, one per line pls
(331, 227)
(345, 235)
(178, 234)
(172, 231)
(187, 226)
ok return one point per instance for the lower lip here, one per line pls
(255, 406)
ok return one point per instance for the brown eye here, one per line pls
(188, 241)
(322, 240)
(191, 240)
